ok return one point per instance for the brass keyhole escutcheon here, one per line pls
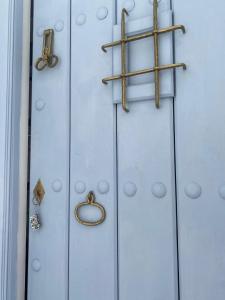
(90, 201)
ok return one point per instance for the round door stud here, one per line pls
(193, 190)
(36, 265)
(129, 5)
(159, 190)
(80, 187)
(222, 192)
(81, 19)
(103, 187)
(40, 105)
(102, 13)
(59, 26)
(57, 186)
(130, 189)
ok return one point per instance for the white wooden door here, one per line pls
(145, 167)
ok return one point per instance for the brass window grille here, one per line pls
(157, 67)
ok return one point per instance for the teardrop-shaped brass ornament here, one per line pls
(39, 193)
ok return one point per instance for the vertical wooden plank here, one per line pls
(146, 204)
(48, 247)
(93, 260)
(200, 114)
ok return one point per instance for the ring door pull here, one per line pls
(48, 59)
(90, 201)
(157, 67)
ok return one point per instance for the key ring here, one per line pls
(41, 64)
(53, 61)
(90, 202)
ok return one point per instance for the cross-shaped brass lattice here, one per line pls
(157, 67)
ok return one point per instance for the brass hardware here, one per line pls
(38, 196)
(145, 71)
(157, 67)
(90, 202)
(47, 58)
(141, 36)
(156, 53)
(38, 193)
(124, 60)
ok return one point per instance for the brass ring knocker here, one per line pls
(90, 201)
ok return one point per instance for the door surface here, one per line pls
(157, 173)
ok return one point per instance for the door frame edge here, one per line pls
(14, 103)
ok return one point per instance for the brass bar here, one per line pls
(111, 78)
(109, 45)
(144, 35)
(148, 34)
(151, 70)
(123, 60)
(156, 54)
(172, 28)
(144, 71)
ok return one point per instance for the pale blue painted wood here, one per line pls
(93, 251)
(200, 136)
(48, 248)
(146, 204)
